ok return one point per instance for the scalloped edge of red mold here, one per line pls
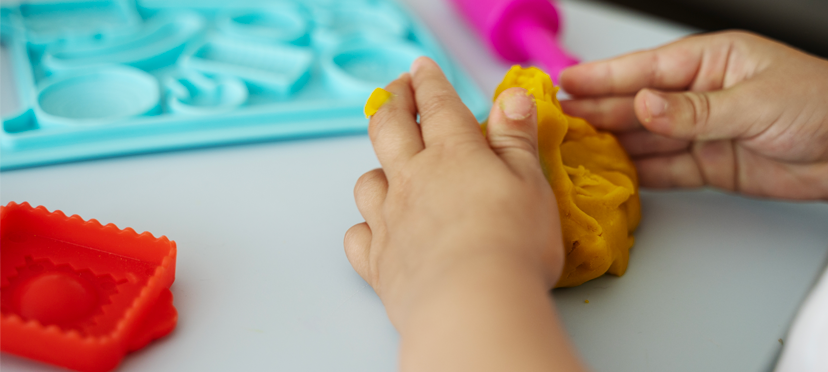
(150, 316)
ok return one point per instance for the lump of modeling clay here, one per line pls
(593, 179)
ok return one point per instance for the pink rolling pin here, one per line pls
(520, 30)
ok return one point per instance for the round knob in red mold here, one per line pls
(56, 298)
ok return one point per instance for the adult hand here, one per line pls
(731, 110)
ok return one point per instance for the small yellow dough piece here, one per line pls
(378, 98)
(593, 179)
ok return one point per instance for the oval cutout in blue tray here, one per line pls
(178, 74)
(276, 23)
(361, 67)
(96, 96)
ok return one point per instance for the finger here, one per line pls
(393, 129)
(443, 116)
(357, 249)
(644, 143)
(678, 170)
(512, 131)
(369, 193)
(717, 163)
(614, 114)
(674, 66)
(722, 114)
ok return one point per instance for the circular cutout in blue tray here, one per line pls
(97, 96)
(359, 68)
(277, 23)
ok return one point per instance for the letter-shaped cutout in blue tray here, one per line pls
(100, 78)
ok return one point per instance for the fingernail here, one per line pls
(517, 104)
(416, 64)
(655, 103)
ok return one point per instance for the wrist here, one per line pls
(462, 281)
(492, 313)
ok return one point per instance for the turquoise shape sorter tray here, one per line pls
(100, 78)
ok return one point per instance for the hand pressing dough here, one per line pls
(594, 182)
(593, 179)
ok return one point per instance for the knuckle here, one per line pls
(435, 103)
(603, 109)
(379, 121)
(743, 40)
(352, 237)
(456, 143)
(367, 181)
(513, 142)
(739, 35)
(700, 104)
(656, 69)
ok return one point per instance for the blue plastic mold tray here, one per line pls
(107, 77)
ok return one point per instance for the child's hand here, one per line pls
(732, 110)
(446, 196)
(462, 239)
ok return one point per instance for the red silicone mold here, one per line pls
(78, 294)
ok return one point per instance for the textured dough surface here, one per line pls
(593, 179)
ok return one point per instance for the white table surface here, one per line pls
(263, 284)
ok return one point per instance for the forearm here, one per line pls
(493, 314)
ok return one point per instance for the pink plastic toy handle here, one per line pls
(542, 46)
(520, 30)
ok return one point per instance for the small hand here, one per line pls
(462, 240)
(445, 194)
(730, 110)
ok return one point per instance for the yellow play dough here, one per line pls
(378, 98)
(593, 179)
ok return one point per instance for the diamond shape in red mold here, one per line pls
(78, 294)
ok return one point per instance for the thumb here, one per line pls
(704, 116)
(512, 131)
